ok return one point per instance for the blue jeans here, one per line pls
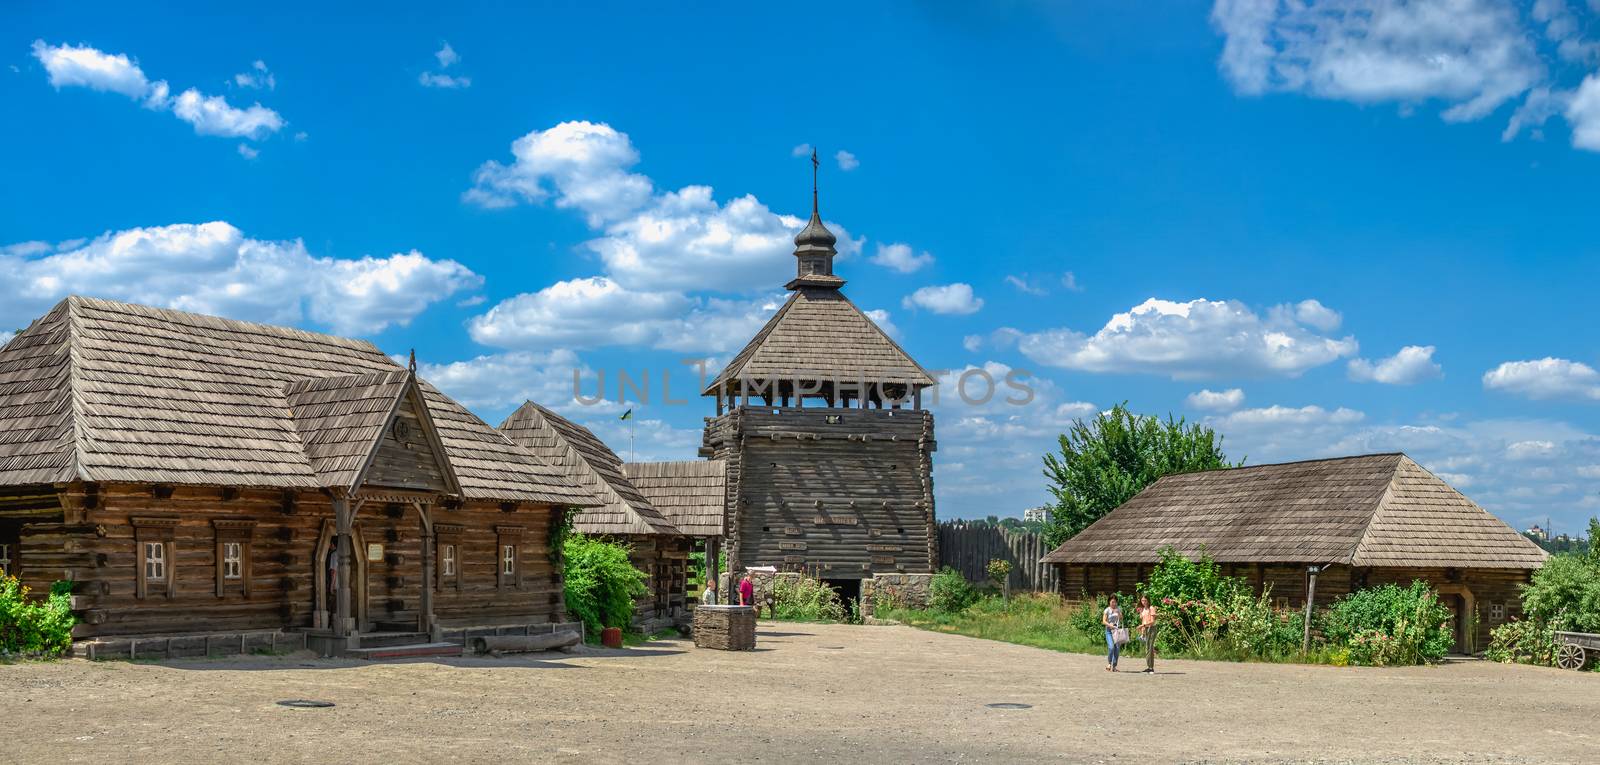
(1111, 649)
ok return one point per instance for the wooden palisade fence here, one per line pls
(968, 548)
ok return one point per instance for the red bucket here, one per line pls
(611, 637)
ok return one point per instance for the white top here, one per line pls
(1113, 616)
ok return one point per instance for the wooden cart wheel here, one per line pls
(1570, 656)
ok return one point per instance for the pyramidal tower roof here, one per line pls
(819, 333)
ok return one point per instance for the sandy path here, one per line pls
(812, 692)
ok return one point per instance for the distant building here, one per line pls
(1539, 533)
(1036, 514)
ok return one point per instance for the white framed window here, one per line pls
(232, 560)
(5, 560)
(447, 560)
(508, 559)
(1497, 612)
(155, 561)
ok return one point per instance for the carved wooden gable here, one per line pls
(408, 453)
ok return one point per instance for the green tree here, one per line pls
(1107, 459)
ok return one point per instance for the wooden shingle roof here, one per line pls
(691, 494)
(589, 463)
(340, 419)
(818, 335)
(98, 390)
(1371, 510)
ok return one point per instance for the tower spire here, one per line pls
(814, 165)
(813, 246)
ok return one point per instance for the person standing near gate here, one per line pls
(747, 591)
(1147, 630)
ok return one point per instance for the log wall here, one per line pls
(838, 493)
(95, 548)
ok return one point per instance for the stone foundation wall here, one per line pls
(900, 590)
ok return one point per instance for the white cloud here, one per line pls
(248, 152)
(954, 298)
(1191, 340)
(446, 55)
(1313, 313)
(1070, 281)
(1413, 364)
(846, 160)
(801, 150)
(83, 66)
(1583, 111)
(5, 337)
(505, 380)
(212, 115)
(1472, 55)
(884, 321)
(973, 343)
(900, 257)
(1000, 339)
(213, 268)
(1215, 401)
(1024, 286)
(86, 67)
(436, 80)
(1523, 451)
(258, 78)
(594, 312)
(1547, 378)
(651, 240)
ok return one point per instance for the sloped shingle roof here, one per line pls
(340, 418)
(820, 334)
(592, 465)
(691, 494)
(98, 390)
(1372, 510)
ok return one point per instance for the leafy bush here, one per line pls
(949, 592)
(801, 598)
(35, 628)
(1565, 594)
(1522, 642)
(601, 582)
(1390, 625)
(999, 570)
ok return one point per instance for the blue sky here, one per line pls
(1355, 227)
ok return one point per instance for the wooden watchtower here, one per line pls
(829, 452)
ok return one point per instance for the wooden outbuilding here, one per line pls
(692, 494)
(828, 448)
(625, 515)
(191, 474)
(1359, 521)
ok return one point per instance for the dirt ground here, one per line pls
(808, 693)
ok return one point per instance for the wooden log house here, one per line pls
(692, 494)
(624, 514)
(1361, 521)
(828, 449)
(190, 474)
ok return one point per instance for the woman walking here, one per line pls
(1112, 619)
(1147, 630)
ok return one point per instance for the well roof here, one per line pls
(1370, 510)
(819, 334)
(98, 390)
(589, 463)
(691, 494)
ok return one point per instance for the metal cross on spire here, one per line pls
(814, 165)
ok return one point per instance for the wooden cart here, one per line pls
(1573, 649)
